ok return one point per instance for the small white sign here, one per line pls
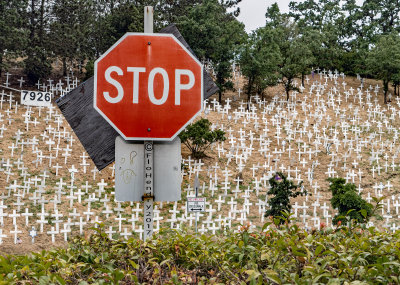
(36, 98)
(196, 204)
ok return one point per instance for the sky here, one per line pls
(252, 12)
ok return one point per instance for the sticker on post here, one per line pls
(196, 204)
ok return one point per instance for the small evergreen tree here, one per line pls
(37, 65)
(198, 137)
(348, 202)
(282, 189)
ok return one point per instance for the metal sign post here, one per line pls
(148, 196)
(196, 188)
(196, 204)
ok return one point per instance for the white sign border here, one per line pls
(111, 123)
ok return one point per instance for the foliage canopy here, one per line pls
(198, 137)
(282, 190)
(348, 202)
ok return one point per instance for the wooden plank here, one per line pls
(93, 131)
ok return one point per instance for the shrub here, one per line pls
(198, 137)
(282, 189)
(349, 204)
(289, 255)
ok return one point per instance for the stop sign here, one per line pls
(148, 86)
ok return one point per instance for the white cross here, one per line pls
(52, 232)
(140, 231)
(213, 228)
(66, 229)
(125, 233)
(110, 232)
(14, 216)
(15, 232)
(219, 201)
(2, 236)
(81, 223)
(27, 214)
(21, 80)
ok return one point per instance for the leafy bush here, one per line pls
(198, 137)
(282, 189)
(287, 255)
(349, 204)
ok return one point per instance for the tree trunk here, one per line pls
(302, 78)
(395, 89)
(41, 24)
(220, 83)
(287, 93)
(385, 89)
(64, 62)
(287, 88)
(1, 62)
(250, 84)
(32, 22)
(81, 65)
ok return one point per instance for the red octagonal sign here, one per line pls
(148, 86)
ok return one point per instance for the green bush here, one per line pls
(198, 137)
(350, 205)
(287, 255)
(282, 189)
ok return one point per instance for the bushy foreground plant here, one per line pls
(351, 206)
(282, 190)
(198, 137)
(278, 254)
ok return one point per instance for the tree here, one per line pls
(112, 21)
(346, 29)
(213, 34)
(297, 61)
(282, 190)
(198, 137)
(396, 84)
(12, 34)
(296, 56)
(259, 59)
(37, 62)
(348, 202)
(321, 23)
(70, 31)
(170, 11)
(384, 60)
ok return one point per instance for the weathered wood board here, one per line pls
(95, 134)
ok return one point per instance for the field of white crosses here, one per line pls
(333, 127)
